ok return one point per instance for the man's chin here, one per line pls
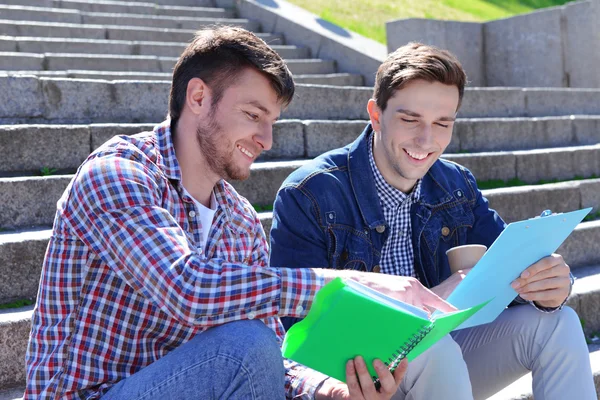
(237, 175)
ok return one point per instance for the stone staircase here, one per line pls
(76, 72)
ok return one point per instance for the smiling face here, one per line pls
(413, 131)
(239, 127)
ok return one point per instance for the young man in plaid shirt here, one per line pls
(156, 282)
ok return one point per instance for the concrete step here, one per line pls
(15, 326)
(128, 7)
(15, 393)
(142, 3)
(43, 100)
(107, 62)
(100, 46)
(336, 79)
(31, 200)
(22, 253)
(63, 147)
(112, 32)
(23, 13)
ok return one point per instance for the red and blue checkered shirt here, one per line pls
(123, 282)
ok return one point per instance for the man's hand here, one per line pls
(547, 282)
(445, 288)
(360, 385)
(403, 288)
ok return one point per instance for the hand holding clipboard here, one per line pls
(520, 245)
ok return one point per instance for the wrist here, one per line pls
(323, 391)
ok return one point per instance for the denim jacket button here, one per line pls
(445, 231)
(380, 228)
(377, 268)
(344, 255)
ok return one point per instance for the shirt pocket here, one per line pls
(447, 227)
(349, 248)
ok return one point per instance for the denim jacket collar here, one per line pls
(363, 182)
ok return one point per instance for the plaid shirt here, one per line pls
(123, 282)
(397, 256)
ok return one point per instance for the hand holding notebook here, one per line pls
(348, 319)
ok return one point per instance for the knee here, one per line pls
(564, 329)
(565, 320)
(251, 340)
(569, 318)
(443, 352)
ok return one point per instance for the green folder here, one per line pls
(348, 319)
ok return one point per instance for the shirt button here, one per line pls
(445, 231)
(380, 228)
(251, 315)
(192, 214)
(299, 309)
(377, 268)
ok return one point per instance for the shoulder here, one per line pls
(122, 164)
(324, 169)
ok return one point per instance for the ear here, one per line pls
(374, 115)
(197, 96)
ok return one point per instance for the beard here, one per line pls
(218, 151)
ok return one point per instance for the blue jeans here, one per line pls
(239, 360)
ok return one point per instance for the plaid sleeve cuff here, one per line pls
(298, 288)
(302, 383)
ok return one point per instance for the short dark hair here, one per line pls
(218, 55)
(417, 61)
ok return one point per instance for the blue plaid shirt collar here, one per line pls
(389, 196)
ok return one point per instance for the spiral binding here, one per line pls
(403, 351)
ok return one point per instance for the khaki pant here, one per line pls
(477, 362)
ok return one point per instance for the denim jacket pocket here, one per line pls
(448, 226)
(349, 248)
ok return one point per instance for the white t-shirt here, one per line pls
(205, 216)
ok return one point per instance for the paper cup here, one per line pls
(463, 257)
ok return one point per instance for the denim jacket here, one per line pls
(327, 214)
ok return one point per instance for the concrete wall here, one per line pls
(464, 39)
(353, 53)
(555, 47)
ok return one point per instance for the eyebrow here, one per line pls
(257, 104)
(417, 115)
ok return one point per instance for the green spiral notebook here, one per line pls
(348, 319)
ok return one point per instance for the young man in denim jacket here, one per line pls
(387, 203)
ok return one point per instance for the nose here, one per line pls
(264, 138)
(425, 137)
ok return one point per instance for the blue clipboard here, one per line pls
(518, 246)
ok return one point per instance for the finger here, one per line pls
(546, 284)
(431, 299)
(541, 265)
(364, 378)
(400, 371)
(463, 272)
(554, 295)
(561, 270)
(386, 379)
(352, 381)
